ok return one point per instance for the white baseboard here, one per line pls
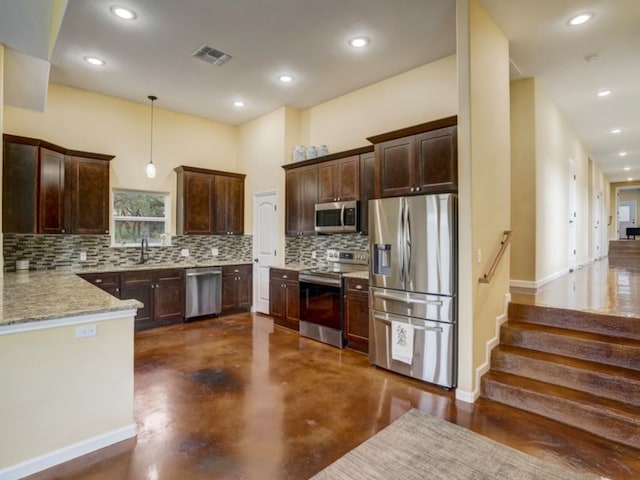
(539, 283)
(68, 453)
(471, 397)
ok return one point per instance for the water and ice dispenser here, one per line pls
(382, 259)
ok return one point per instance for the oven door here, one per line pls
(321, 312)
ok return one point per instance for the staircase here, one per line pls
(581, 369)
(624, 253)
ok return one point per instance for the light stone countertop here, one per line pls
(151, 266)
(35, 296)
(362, 274)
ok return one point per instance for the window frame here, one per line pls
(166, 241)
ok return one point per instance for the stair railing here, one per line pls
(487, 277)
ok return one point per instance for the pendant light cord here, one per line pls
(153, 98)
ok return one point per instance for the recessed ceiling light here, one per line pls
(626, 169)
(285, 78)
(623, 154)
(123, 12)
(94, 61)
(630, 179)
(604, 93)
(580, 19)
(359, 42)
(616, 130)
(239, 103)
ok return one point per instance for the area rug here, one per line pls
(419, 446)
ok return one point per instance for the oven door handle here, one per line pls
(342, 215)
(320, 280)
(398, 298)
(415, 327)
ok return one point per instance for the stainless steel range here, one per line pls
(321, 295)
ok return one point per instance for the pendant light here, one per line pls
(151, 168)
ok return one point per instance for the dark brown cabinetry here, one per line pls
(356, 313)
(301, 197)
(421, 159)
(284, 297)
(229, 204)
(48, 189)
(367, 188)
(209, 202)
(237, 284)
(109, 282)
(339, 180)
(161, 292)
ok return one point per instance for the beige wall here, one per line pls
(58, 390)
(484, 162)
(82, 120)
(416, 96)
(1, 150)
(523, 168)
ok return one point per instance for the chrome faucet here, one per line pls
(144, 250)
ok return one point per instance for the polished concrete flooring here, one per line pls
(237, 398)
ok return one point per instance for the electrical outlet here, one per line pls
(184, 252)
(314, 254)
(215, 252)
(83, 256)
(86, 331)
(479, 255)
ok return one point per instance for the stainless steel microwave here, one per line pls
(336, 217)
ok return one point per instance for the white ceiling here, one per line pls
(308, 39)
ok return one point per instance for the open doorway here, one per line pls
(626, 210)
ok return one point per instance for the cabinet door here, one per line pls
(276, 300)
(367, 188)
(137, 285)
(51, 194)
(292, 305)
(301, 197)
(89, 196)
(198, 206)
(168, 296)
(229, 205)
(109, 282)
(228, 302)
(356, 308)
(349, 178)
(19, 188)
(395, 166)
(328, 182)
(437, 161)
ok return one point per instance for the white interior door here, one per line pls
(265, 245)
(571, 231)
(626, 217)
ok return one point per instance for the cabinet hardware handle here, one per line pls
(417, 189)
(236, 271)
(284, 276)
(117, 289)
(359, 287)
(98, 280)
(62, 230)
(413, 189)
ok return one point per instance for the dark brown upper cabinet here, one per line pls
(417, 160)
(339, 180)
(210, 202)
(49, 189)
(301, 192)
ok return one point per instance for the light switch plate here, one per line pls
(86, 331)
(184, 252)
(215, 252)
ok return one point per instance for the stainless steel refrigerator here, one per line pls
(413, 286)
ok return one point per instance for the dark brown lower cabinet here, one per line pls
(237, 285)
(356, 314)
(284, 297)
(161, 292)
(109, 282)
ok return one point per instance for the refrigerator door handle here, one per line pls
(342, 216)
(407, 223)
(415, 327)
(408, 300)
(400, 244)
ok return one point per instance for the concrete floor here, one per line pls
(237, 398)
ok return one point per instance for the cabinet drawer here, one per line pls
(136, 278)
(282, 274)
(237, 270)
(357, 284)
(169, 274)
(102, 280)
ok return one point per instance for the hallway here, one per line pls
(240, 398)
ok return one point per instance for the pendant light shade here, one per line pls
(151, 168)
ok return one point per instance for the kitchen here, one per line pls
(120, 127)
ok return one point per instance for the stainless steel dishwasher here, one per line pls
(203, 291)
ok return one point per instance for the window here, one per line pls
(138, 215)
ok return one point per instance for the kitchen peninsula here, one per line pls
(66, 356)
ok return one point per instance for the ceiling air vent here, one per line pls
(211, 55)
(514, 71)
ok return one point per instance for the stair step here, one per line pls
(606, 418)
(617, 326)
(614, 383)
(617, 351)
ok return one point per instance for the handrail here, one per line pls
(487, 277)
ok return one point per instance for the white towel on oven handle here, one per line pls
(402, 342)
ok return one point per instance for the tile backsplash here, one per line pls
(45, 252)
(300, 249)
